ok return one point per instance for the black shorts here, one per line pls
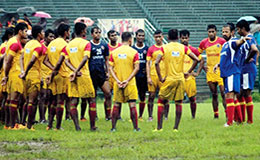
(141, 83)
(98, 78)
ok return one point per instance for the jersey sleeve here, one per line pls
(106, 51)
(3, 50)
(136, 58)
(14, 48)
(201, 46)
(64, 51)
(187, 50)
(111, 60)
(37, 52)
(149, 54)
(195, 51)
(87, 49)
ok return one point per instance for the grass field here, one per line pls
(202, 138)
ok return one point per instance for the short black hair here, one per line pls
(232, 26)
(212, 26)
(110, 32)
(49, 31)
(139, 31)
(173, 34)
(62, 29)
(93, 29)
(126, 36)
(36, 30)
(8, 31)
(79, 27)
(243, 23)
(20, 26)
(157, 32)
(185, 32)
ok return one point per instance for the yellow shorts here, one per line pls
(172, 90)
(59, 85)
(44, 83)
(111, 81)
(126, 94)
(15, 84)
(190, 86)
(32, 85)
(213, 77)
(81, 88)
(156, 84)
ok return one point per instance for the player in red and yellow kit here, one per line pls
(80, 85)
(59, 77)
(33, 51)
(13, 70)
(190, 81)
(173, 82)
(212, 46)
(4, 111)
(124, 64)
(112, 45)
(152, 78)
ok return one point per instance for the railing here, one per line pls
(149, 30)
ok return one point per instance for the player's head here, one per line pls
(212, 31)
(21, 30)
(24, 41)
(38, 32)
(80, 30)
(158, 37)
(112, 36)
(63, 31)
(96, 33)
(127, 37)
(232, 28)
(49, 36)
(173, 34)
(140, 36)
(226, 32)
(73, 35)
(184, 37)
(9, 33)
(242, 27)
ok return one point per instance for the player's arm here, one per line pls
(195, 61)
(112, 72)
(77, 70)
(2, 60)
(69, 65)
(136, 69)
(157, 67)
(252, 53)
(7, 68)
(107, 60)
(200, 67)
(21, 62)
(148, 66)
(47, 63)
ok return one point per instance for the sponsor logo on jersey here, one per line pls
(175, 54)
(53, 49)
(122, 56)
(27, 50)
(73, 50)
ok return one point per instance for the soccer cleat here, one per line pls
(166, 118)
(83, 119)
(108, 119)
(157, 130)
(150, 119)
(175, 130)
(44, 122)
(215, 116)
(48, 128)
(137, 130)
(7, 128)
(141, 119)
(226, 125)
(120, 118)
(113, 130)
(20, 126)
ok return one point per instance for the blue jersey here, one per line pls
(245, 50)
(98, 54)
(142, 52)
(229, 58)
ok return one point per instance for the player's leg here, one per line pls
(59, 109)
(193, 106)
(74, 112)
(83, 109)
(150, 105)
(222, 92)
(214, 93)
(115, 113)
(41, 105)
(107, 104)
(67, 107)
(3, 106)
(92, 113)
(7, 112)
(25, 112)
(160, 112)
(31, 108)
(230, 110)
(238, 113)
(141, 83)
(52, 111)
(14, 99)
(21, 103)
(242, 102)
(166, 109)
(178, 113)
(249, 105)
(133, 114)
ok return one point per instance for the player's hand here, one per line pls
(107, 76)
(49, 79)
(4, 81)
(249, 60)
(163, 80)
(79, 74)
(125, 83)
(194, 74)
(206, 69)
(186, 75)
(119, 83)
(22, 75)
(73, 76)
(215, 68)
(149, 81)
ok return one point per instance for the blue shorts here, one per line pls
(248, 81)
(232, 83)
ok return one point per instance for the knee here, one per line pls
(192, 100)
(215, 95)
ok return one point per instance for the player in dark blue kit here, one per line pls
(249, 54)
(98, 67)
(141, 79)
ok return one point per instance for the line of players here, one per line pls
(77, 68)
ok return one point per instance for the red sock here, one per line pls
(30, 115)
(230, 110)
(59, 115)
(160, 113)
(13, 112)
(134, 117)
(193, 107)
(92, 114)
(215, 112)
(242, 103)
(249, 109)
(238, 112)
(141, 108)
